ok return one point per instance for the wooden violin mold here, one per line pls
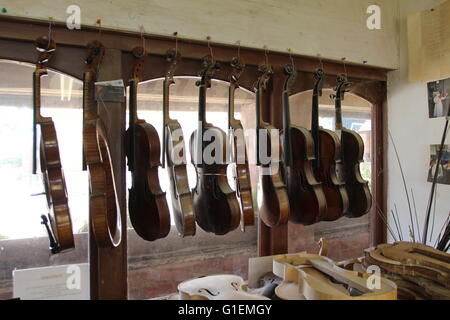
(50, 161)
(217, 287)
(104, 209)
(318, 278)
(147, 204)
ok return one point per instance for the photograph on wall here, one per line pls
(443, 176)
(439, 98)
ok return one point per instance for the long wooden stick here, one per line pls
(433, 186)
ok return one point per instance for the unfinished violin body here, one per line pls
(241, 172)
(174, 151)
(360, 198)
(306, 198)
(147, 203)
(217, 287)
(274, 209)
(215, 205)
(50, 161)
(104, 209)
(318, 278)
(327, 162)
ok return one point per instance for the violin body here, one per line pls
(306, 198)
(274, 209)
(215, 205)
(182, 204)
(174, 153)
(50, 161)
(360, 198)
(147, 204)
(104, 209)
(240, 169)
(329, 175)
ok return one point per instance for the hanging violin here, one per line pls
(274, 210)
(241, 172)
(174, 152)
(306, 198)
(104, 209)
(327, 159)
(215, 205)
(50, 161)
(147, 204)
(360, 198)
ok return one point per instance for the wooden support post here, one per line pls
(108, 267)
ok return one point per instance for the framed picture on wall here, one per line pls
(443, 166)
(439, 98)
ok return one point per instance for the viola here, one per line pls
(104, 210)
(215, 205)
(319, 278)
(306, 198)
(147, 204)
(360, 198)
(327, 159)
(218, 287)
(174, 152)
(241, 172)
(60, 229)
(274, 210)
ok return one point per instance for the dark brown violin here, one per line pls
(174, 152)
(274, 210)
(327, 160)
(306, 198)
(50, 161)
(147, 204)
(352, 155)
(215, 205)
(241, 172)
(104, 209)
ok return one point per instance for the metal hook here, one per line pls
(345, 67)
(50, 23)
(290, 56)
(175, 34)
(320, 61)
(142, 36)
(99, 23)
(210, 48)
(239, 50)
(267, 57)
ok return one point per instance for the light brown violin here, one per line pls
(174, 154)
(147, 204)
(241, 172)
(60, 233)
(274, 210)
(104, 209)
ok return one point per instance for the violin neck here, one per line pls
(259, 98)
(166, 119)
(133, 103)
(338, 107)
(315, 126)
(88, 95)
(201, 124)
(36, 114)
(231, 92)
(287, 141)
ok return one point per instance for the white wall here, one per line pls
(413, 133)
(333, 28)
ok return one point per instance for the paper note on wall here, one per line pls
(429, 44)
(66, 282)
